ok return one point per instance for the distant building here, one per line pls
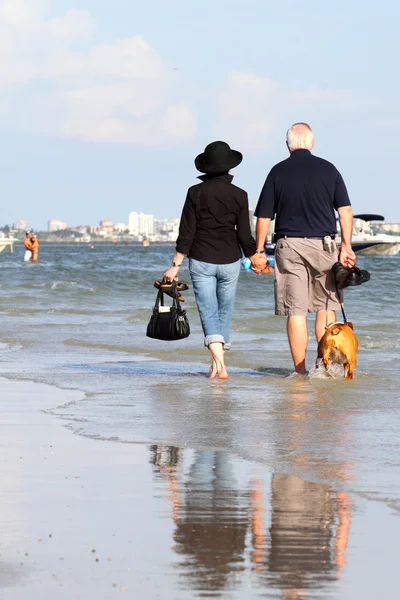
(106, 227)
(141, 225)
(253, 220)
(56, 225)
(21, 225)
(120, 227)
(106, 224)
(390, 227)
(166, 230)
(82, 229)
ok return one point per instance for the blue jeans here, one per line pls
(214, 288)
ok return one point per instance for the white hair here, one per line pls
(300, 137)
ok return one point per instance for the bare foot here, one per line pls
(213, 370)
(218, 370)
(222, 374)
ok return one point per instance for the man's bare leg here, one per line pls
(298, 340)
(323, 318)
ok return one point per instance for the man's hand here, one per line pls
(258, 263)
(347, 256)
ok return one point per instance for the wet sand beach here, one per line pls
(77, 515)
(126, 471)
(84, 518)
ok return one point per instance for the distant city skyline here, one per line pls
(138, 223)
(53, 225)
(105, 108)
(140, 227)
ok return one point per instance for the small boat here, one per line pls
(368, 239)
(6, 242)
(269, 248)
(145, 243)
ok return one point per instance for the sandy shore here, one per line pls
(87, 519)
(73, 521)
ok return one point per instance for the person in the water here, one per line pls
(28, 246)
(35, 247)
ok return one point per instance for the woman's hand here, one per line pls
(171, 273)
(268, 269)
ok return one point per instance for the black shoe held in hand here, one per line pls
(349, 277)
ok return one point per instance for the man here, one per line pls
(302, 194)
(28, 246)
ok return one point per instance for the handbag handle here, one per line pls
(175, 297)
(159, 299)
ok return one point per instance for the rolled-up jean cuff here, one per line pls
(215, 338)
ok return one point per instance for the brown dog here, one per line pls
(339, 345)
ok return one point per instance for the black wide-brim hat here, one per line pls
(346, 277)
(217, 157)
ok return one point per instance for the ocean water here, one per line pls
(77, 320)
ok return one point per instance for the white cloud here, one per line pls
(244, 110)
(180, 121)
(74, 25)
(55, 80)
(177, 124)
(16, 12)
(330, 95)
(251, 109)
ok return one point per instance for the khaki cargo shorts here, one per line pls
(304, 281)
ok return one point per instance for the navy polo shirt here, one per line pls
(302, 194)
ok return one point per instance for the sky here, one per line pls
(104, 105)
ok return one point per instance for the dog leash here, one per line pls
(341, 306)
(344, 316)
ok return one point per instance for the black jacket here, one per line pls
(215, 222)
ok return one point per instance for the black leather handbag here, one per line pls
(168, 322)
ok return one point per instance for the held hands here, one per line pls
(259, 264)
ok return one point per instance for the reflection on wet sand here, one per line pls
(311, 437)
(210, 516)
(257, 524)
(235, 522)
(310, 522)
(306, 545)
(221, 526)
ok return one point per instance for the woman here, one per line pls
(35, 247)
(213, 232)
